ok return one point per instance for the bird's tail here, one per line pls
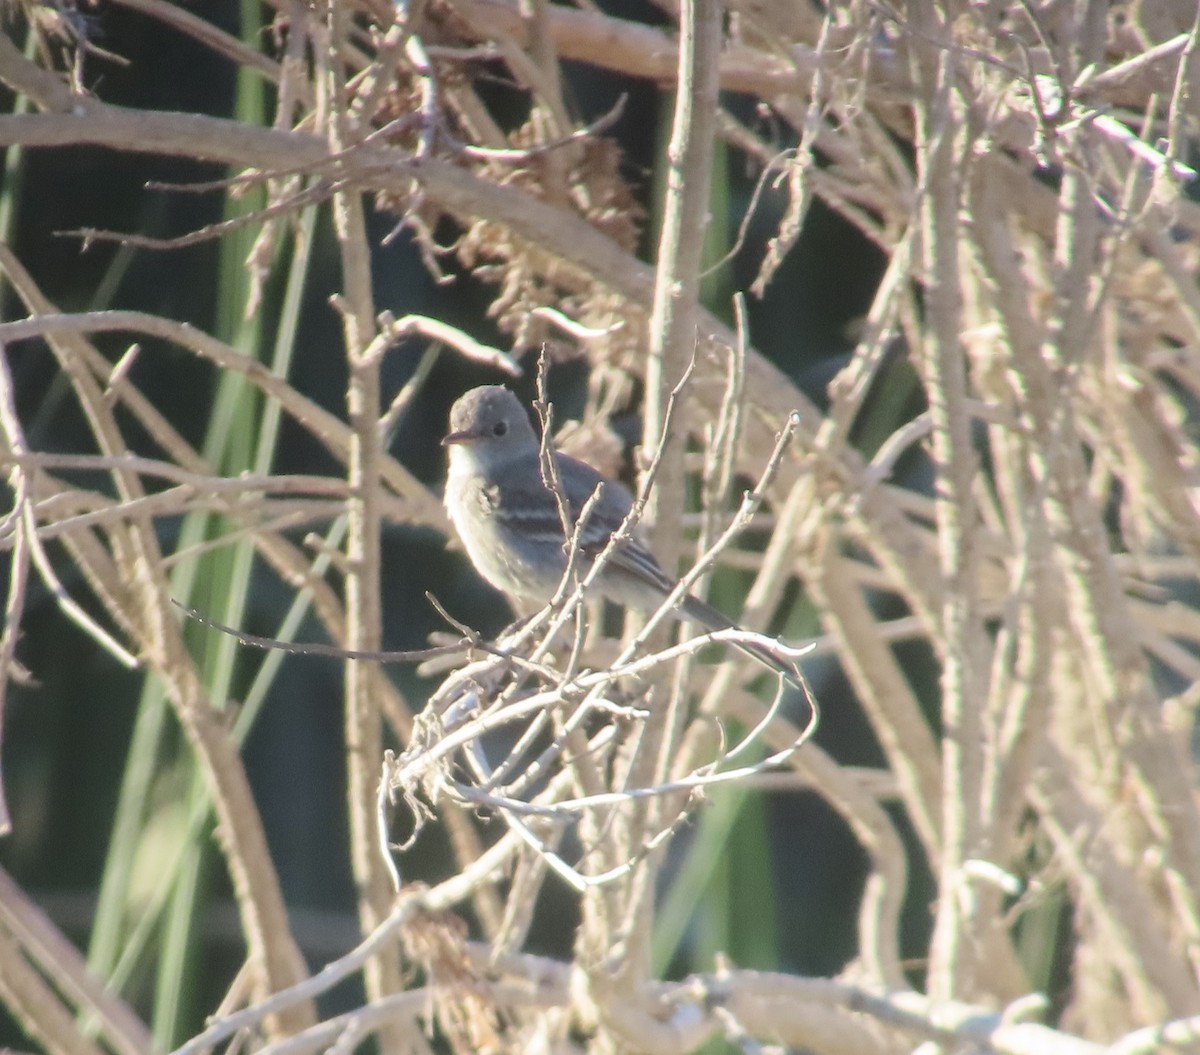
(698, 611)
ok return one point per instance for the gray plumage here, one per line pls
(509, 522)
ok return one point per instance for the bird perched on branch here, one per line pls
(510, 522)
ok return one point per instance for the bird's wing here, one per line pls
(527, 505)
(606, 516)
(579, 483)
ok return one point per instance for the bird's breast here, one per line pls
(509, 562)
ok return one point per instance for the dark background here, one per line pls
(66, 736)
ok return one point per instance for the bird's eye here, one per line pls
(500, 428)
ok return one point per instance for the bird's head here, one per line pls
(490, 426)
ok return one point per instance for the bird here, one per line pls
(510, 523)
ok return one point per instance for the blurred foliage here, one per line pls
(67, 735)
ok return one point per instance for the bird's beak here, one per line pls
(462, 436)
